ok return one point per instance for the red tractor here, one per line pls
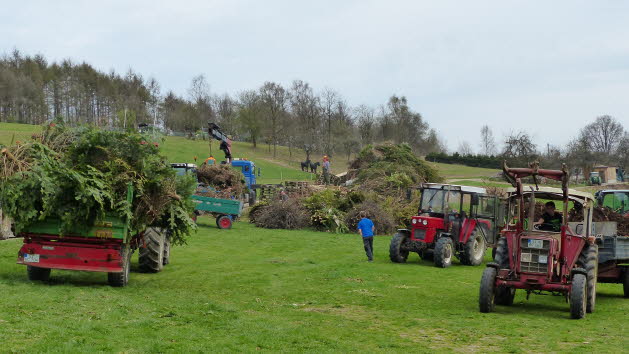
(452, 220)
(536, 256)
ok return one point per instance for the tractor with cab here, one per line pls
(452, 221)
(538, 258)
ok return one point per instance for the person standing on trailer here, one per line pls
(366, 229)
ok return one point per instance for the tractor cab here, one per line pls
(529, 256)
(451, 221)
(616, 200)
(183, 169)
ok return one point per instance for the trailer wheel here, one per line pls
(578, 296)
(474, 250)
(397, 253)
(121, 279)
(152, 250)
(224, 222)
(444, 250)
(625, 282)
(36, 273)
(166, 259)
(588, 260)
(487, 294)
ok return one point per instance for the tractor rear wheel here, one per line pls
(36, 273)
(578, 296)
(152, 250)
(502, 253)
(588, 260)
(474, 250)
(121, 279)
(397, 253)
(487, 295)
(625, 282)
(444, 250)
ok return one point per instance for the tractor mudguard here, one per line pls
(578, 271)
(493, 265)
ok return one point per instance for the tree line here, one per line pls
(604, 141)
(34, 91)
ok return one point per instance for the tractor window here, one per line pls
(438, 200)
(467, 203)
(487, 206)
(618, 202)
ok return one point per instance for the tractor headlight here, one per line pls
(414, 221)
(425, 222)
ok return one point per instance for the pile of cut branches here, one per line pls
(226, 180)
(78, 175)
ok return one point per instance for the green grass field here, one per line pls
(249, 289)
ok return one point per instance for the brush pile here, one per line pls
(78, 175)
(226, 182)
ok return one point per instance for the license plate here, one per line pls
(543, 259)
(525, 257)
(536, 243)
(31, 258)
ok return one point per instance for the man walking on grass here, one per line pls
(366, 229)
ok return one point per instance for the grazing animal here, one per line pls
(305, 165)
(313, 166)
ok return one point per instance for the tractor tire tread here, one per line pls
(396, 254)
(578, 296)
(439, 253)
(588, 260)
(487, 293)
(151, 251)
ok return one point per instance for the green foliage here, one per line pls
(389, 168)
(79, 175)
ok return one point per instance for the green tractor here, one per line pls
(595, 179)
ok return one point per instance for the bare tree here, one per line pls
(604, 133)
(329, 100)
(519, 145)
(465, 149)
(275, 99)
(249, 116)
(488, 143)
(366, 123)
(307, 110)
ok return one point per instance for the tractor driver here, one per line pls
(550, 220)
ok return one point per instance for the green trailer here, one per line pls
(106, 246)
(225, 210)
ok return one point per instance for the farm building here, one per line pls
(608, 174)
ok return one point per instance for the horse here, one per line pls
(305, 165)
(313, 166)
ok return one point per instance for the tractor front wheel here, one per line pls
(474, 250)
(397, 253)
(505, 296)
(578, 296)
(487, 295)
(444, 249)
(224, 222)
(36, 273)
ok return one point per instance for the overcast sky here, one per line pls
(547, 67)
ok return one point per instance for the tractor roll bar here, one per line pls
(515, 175)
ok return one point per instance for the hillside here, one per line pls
(284, 166)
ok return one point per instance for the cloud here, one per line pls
(546, 67)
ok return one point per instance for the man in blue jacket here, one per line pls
(366, 229)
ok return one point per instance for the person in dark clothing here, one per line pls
(366, 229)
(550, 220)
